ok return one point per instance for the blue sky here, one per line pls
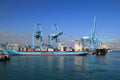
(75, 17)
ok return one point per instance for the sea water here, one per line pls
(90, 67)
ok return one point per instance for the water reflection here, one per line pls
(61, 63)
(78, 60)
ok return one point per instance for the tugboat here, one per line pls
(4, 57)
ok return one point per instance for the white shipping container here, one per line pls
(16, 48)
(50, 49)
(37, 49)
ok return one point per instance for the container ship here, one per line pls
(16, 50)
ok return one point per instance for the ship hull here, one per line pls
(15, 53)
(47, 54)
(101, 51)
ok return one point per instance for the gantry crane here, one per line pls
(55, 35)
(93, 36)
(95, 42)
(90, 41)
(37, 35)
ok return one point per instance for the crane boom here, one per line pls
(55, 35)
(37, 35)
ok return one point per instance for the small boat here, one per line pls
(4, 57)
